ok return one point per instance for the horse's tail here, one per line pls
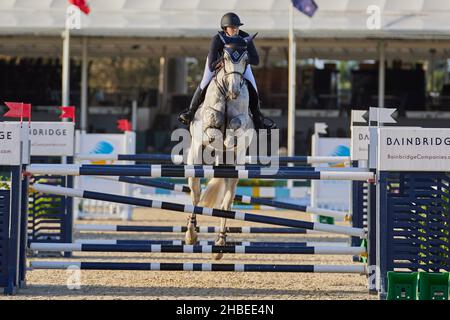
(214, 193)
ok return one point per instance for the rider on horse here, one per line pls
(230, 24)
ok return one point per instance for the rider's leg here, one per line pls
(248, 74)
(260, 121)
(187, 115)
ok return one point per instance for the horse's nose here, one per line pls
(235, 123)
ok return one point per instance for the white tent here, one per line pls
(199, 18)
(150, 27)
(408, 29)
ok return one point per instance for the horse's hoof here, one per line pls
(190, 237)
(221, 241)
(217, 256)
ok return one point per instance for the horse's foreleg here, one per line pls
(194, 185)
(191, 232)
(228, 199)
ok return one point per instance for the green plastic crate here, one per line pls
(402, 285)
(433, 286)
(363, 258)
(327, 220)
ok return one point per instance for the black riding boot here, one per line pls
(187, 115)
(259, 120)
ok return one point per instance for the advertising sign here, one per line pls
(52, 138)
(10, 135)
(360, 143)
(330, 194)
(413, 149)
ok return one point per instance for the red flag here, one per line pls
(18, 110)
(82, 5)
(67, 112)
(124, 125)
(26, 110)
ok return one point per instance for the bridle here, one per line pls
(221, 85)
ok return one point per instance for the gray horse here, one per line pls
(222, 124)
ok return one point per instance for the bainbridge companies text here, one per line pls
(418, 141)
(416, 157)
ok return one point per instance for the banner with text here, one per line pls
(331, 194)
(413, 149)
(360, 143)
(10, 136)
(52, 138)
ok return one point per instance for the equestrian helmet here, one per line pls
(230, 19)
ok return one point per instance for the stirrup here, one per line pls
(185, 117)
(268, 123)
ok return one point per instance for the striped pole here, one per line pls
(358, 269)
(237, 215)
(177, 229)
(241, 198)
(298, 159)
(208, 243)
(216, 168)
(158, 171)
(268, 169)
(75, 247)
(178, 159)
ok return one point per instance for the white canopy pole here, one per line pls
(432, 70)
(65, 73)
(446, 78)
(381, 73)
(84, 86)
(134, 111)
(292, 87)
(66, 67)
(292, 84)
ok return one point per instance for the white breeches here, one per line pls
(208, 75)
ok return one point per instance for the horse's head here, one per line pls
(235, 59)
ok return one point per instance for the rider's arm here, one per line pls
(253, 56)
(215, 48)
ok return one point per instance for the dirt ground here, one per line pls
(97, 285)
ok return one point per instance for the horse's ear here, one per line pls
(250, 38)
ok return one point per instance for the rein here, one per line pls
(222, 89)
